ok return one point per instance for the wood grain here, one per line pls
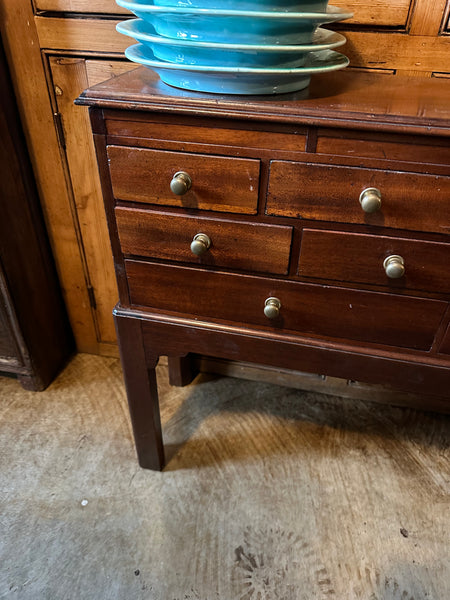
(234, 244)
(331, 193)
(421, 152)
(81, 6)
(428, 18)
(378, 13)
(305, 309)
(360, 259)
(218, 183)
(370, 102)
(69, 78)
(36, 110)
(400, 51)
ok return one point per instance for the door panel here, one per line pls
(70, 77)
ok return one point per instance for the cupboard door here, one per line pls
(70, 77)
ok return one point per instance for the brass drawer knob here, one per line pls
(370, 200)
(272, 308)
(200, 244)
(394, 266)
(181, 183)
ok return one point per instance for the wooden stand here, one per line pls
(302, 268)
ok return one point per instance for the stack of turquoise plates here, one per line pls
(235, 46)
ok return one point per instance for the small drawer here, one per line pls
(337, 143)
(359, 258)
(332, 193)
(306, 309)
(234, 244)
(217, 183)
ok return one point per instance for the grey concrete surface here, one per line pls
(269, 493)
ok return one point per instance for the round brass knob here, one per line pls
(272, 308)
(200, 244)
(370, 200)
(181, 183)
(394, 266)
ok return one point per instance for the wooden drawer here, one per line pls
(359, 258)
(218, 183)
(234, 244)
(423, 151)
(331, 193)
(306, 309)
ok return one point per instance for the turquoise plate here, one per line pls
(191, 52)
(232, 26)
(265, 5)
(238, 80)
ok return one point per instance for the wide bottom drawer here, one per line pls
(306, 309)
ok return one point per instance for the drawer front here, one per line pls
(336, 143)
(305, 308)
(331, 193)
(218, 183)
(359, 258)
(233, 244)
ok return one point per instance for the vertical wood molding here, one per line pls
(70, 79)
(427, 17)
(31, 87)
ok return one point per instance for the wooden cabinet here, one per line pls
(57, 48)
(35, 337)
(269, 248)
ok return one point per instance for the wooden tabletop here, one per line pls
(345, 98)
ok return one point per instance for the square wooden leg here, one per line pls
(142, 391)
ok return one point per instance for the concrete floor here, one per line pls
(269, 493)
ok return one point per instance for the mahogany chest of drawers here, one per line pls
(307, 231)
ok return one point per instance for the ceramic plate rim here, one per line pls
(305, 70)
(332, 13)
(155, 38)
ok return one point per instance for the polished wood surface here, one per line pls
(352, 100)
(305, 309)
(360, 260)
(306, 241)
(144, 175)
(331, 193)
(235, 244)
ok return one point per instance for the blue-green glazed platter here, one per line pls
(233, 26)
(238, 80)
(261, 5)
(192, 52)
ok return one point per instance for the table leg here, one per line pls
(142, 392)
(181, 370)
